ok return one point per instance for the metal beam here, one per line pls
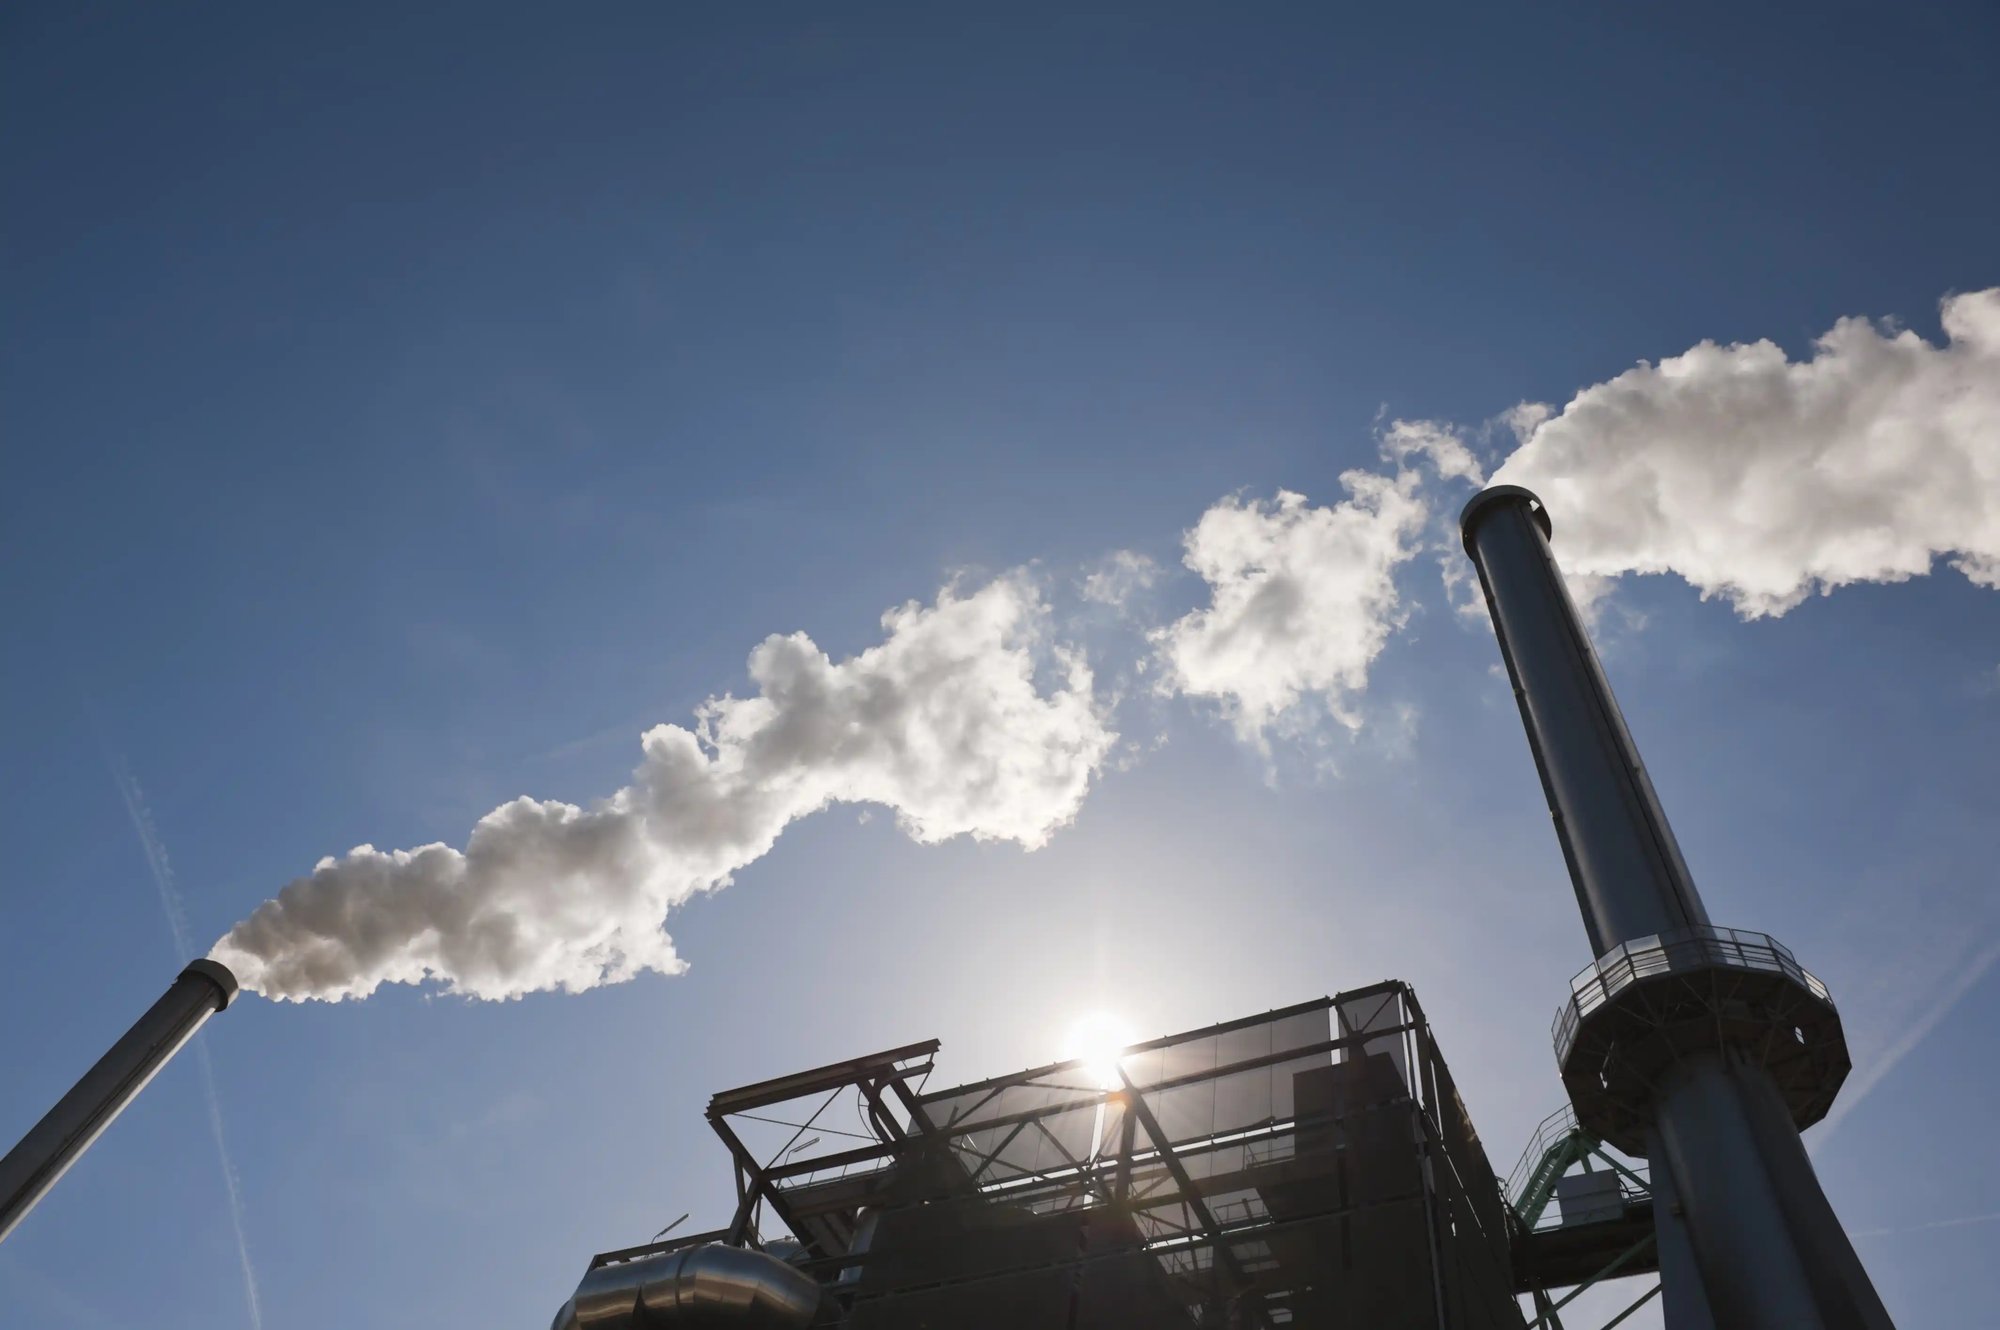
(986, 1160)
(1135, 1104)
(1128, 1129)
(1644, 1298)
(969, 1123)
(1173, 1040)
(901, 1085)
(1609, 1270)
(759, 1186)
(799, 1084)
(860, 1154)
(879, 1112)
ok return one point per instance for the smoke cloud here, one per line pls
(1302, 600)
(1761, 479)
(949, 723)
(1757, 478)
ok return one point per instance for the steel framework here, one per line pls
(1311, 1166)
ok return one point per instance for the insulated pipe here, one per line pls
(79, 1117)
(706, 1287)
(1736, 1192)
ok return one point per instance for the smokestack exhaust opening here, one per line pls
(218, 974)
(34, 1166)
(1482, 504)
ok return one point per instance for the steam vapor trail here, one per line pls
(171, 904)
(1756, 477)
(1762, 479)
(947, 722)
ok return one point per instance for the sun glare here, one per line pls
(1096, 1040)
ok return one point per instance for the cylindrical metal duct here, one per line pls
(706, 1287)
(1747, 1239)
(67, 1130)
(1627, 868)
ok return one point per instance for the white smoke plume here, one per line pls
(1762, 479)
(1435, 442)
(944, 723)
(1118, 578)
(1302, 599)
(1755, 477)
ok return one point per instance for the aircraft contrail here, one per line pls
(171, 904)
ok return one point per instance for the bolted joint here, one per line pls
(1652, 1001)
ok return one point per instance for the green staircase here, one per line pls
(1558, 1155)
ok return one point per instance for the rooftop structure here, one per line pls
(1312, 1166)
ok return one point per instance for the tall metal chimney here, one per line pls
(79, 1117)
(1705, 1049)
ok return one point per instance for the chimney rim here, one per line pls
(218, 974)
(1493, 496)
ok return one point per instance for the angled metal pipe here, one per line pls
(80, 1117)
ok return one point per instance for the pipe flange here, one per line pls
(1653, 1001)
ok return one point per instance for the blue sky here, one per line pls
(407, 410)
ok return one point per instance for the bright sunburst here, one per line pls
(1097, 1040)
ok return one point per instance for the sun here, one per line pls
(1097, 1040)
